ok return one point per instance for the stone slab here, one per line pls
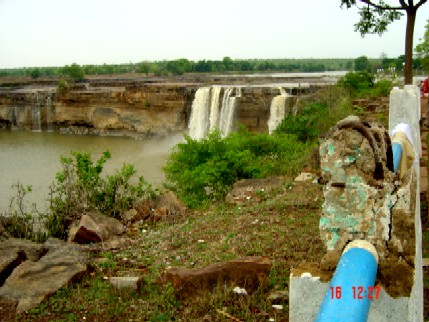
(249, 273)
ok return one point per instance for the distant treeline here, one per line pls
(183, 66)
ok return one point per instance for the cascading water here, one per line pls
(281, 106)
(35, 116)
(14, 118)
(199, 121)
(207, 115)
(49, 112)
(214, 108)
(227, 112)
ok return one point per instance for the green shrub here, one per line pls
(317, 115)
(305, 124)
(205, 170)
(63, 86)
(363, 84)
(79, 187)
(382, 88)
(357, 82)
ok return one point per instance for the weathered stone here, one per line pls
(141, 211)
(278, 297)
(160, 213)
(249, 273)
(126, 282)
(15, 251)
(129, 216)
(94, 228)
(9, 260)
(32, 282)
(31, 250)
(170, 201)
(305, 176)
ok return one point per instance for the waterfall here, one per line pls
(227, 112)
(278, 110)
(15, 117)
(199, 120)
(208, 115)
(214, 108)
(49, 112)
(35, 116)
(295, 107)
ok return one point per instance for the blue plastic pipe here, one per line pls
(397, 154)
(351, 290)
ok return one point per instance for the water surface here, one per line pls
(32, 158)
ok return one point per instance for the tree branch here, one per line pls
(387, 7)
(420, 3)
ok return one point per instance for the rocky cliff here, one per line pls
(132, 108)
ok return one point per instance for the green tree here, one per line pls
(376, 15)
(362, 64)
(75, 72)
(35, 73)
(145, 68)
(179, 66)
(422, 49)
(228, 63)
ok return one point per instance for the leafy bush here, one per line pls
(80, 187)
(205, 170)
(363, 84)
(305, 124)
(357, 82)
(382, 88)
(317, 115)
(63, 86)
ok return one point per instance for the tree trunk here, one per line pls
(409, 34)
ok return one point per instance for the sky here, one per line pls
(37, 33)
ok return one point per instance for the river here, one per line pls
(33, 158)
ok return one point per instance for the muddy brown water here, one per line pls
(33, 158)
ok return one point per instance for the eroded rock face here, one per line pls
(249, 273)
(32, 272)
(129, 107)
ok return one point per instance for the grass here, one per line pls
(284, 227)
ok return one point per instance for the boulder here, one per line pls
(141, 211)
(249, 273)
(15, 251)
(170, 201)
(94, 228)
(31, 282)
(160, 213)
(30, 250)
(305, 176)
